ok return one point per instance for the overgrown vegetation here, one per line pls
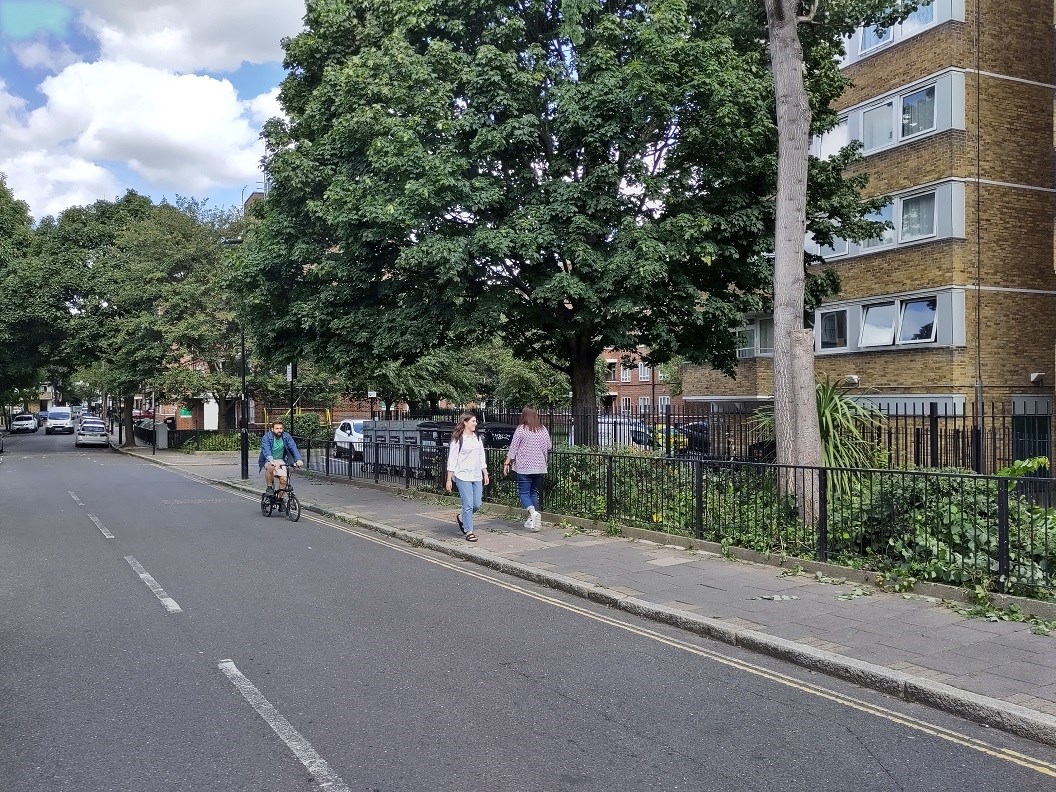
(219, 442)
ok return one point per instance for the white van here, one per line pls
(615, 431)
(60, 419)
(348, 437)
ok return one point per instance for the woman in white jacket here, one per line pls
(467, 467)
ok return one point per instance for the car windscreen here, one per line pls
(91, 425)
(357, 427)
(59, 415)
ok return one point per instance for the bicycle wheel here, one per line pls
(266, 505)
(293, 508)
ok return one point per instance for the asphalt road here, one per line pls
(206, 647)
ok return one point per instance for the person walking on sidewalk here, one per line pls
(467, 467)
(276, 447)
(528, 453)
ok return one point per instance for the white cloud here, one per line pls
(51, 182)
(192, 35)
(184, 133)
(265, 106)
(51, 56)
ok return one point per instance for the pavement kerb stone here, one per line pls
(992, 712)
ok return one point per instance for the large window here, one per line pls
(833, 329)
(918, 112)
(873, 37)
(918, 321)
(746, 343)
(913, 318)
(610, 371)
(922, 18)
(878, 325)
(643, 405)
(766, 336)
(838, 248)
(888, 236)
(918, 217)
(832, 141)
(625, 405)
(625, 373)
(878, 127)
(645, 374)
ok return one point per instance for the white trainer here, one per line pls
(530, 522)
(537, 521)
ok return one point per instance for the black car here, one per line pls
(698, 440)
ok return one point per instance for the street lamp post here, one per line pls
(244, 433)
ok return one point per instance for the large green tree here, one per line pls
(30, 306)
(568, 175)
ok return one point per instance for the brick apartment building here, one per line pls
(956, 305)
(633, 387)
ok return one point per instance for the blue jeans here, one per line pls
(530, 488)
(472, 495)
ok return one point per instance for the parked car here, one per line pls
(91, 431)
(697, 438)
(348, 436)
(616, 431)
(25, 422)
(762, 451)
(140, 414)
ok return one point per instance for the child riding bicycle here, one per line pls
(276, 449)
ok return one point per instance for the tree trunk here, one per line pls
(129, 440)
(797, 436)
(583, 357)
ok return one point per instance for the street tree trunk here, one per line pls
(797, 435)
(129, 440)
(583, 357)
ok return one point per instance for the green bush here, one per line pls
(219, 442)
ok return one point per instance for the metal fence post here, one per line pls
(326, 458)
(610, 486)
(977, 449)
(377, 461)
(698, 499)
(823, 514)
(933, 434)
(406, 465)
(308, 452)
(1004, 566)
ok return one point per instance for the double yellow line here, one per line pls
(1031, 763)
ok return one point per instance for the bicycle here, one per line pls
(285, 500)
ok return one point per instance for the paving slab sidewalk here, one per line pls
(993, 672)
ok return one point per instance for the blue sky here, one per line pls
(166, 97)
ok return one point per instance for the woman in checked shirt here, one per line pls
(528, 453)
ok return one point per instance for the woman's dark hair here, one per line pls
(461, 428)
(530, 419)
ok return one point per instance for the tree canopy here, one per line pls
(565, 175)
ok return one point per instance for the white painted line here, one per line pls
(159, 592)
(302, 749)
(100, 526)
(75, 498)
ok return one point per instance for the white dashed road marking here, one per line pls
(100, 526)
(301, 748)
(159, 592)
(76, 500)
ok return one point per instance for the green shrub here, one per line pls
(219, 442)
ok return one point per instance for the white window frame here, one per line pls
(902, 136)
(625, 405)
(890, 237)
(645, 373)
(830, 143)
(760, 350)
(610, 371)
(662, 404)
(901, 204)
(941, 11)
(881, 42)
(745, 342)
(644, 405)
(625, 373)
(892, 326)
(898, 307)
(903, 305)
(883, 108)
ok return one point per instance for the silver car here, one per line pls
(91, 431)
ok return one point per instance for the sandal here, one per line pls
(471, 537)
